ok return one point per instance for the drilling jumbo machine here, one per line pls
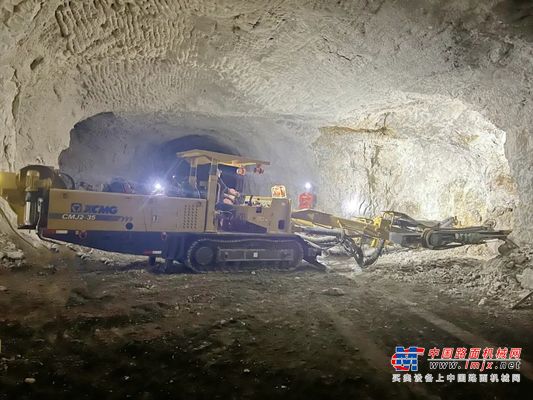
(205, 231)
(201, 230)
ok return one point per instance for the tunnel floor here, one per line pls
(79, 328)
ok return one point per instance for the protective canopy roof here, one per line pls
(208, 157)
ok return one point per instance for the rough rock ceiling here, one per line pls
(408, 92)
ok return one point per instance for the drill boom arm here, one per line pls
(391, 227)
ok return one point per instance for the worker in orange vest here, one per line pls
(307, 198)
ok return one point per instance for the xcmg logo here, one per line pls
(92, 209)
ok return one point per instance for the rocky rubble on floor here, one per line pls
(109, 259)
(333, 292)
(503, 280)
(11, 257)
(508, 278)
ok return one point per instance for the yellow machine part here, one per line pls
(376, 228)
(15, 186)
(202, 157)
(8, 181)
(274, 217)
(10, 191)
(102, 211)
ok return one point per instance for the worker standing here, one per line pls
(306, 199)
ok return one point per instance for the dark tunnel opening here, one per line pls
(138, 153)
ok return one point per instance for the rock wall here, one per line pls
(427, 156)
(300, 82)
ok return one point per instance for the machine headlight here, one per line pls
(158, 188)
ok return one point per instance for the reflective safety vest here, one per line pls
(306, 200)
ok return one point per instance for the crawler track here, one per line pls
(205, 255)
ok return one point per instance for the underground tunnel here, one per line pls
(405, 126)
(143, 148)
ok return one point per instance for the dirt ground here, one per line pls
(82, 329)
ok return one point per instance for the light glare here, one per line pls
(351, 206)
